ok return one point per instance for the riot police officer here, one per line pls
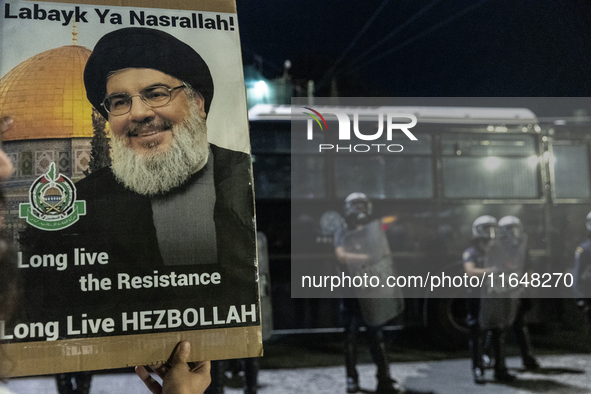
(67, 381)
(484, 229)
(582, 272)
(358, 209)
(250, 366)
(512, 230)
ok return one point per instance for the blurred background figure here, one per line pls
(483, 230)
(582, 273)
(73, 383)
(511, 229)
(219, 368)
(358, 210)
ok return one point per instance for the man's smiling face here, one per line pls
(156, 149)
(147, 129)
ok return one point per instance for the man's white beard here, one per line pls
(157, 172)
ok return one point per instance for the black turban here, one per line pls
(140, 47)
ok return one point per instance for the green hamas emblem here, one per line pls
(52, 202)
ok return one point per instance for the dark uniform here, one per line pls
(582, 277)
(250, 366)
(352, 320)
(475, 255)
(483, 230)
(512, 231)
(358, 210)
(81, 379)
(522, 335)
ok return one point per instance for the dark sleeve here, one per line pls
(339, 237)
(469, 256)
(527, 264)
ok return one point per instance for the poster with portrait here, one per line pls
(131, 205)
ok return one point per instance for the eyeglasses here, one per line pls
(154, 96)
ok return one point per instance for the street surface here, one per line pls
(559, 374)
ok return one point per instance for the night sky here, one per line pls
(502, 48)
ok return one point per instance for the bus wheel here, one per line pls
(446, 322)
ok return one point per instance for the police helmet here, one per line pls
(510, 227)
(358, 207)
(588, 221)
(484, 227)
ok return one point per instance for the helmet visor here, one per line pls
(514, 231)
(488, 231)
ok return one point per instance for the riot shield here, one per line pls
(370, 264)
(499, 300)
(265, 286)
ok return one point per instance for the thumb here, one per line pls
(181, 353)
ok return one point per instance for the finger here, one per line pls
(181, 353)
(168, 363)
(202, 367)
(160, 370)
(6, 123)
(148, 380)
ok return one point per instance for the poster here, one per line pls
(126, 249)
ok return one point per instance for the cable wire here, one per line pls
(418, 36)
(394, 32)
(352, 43)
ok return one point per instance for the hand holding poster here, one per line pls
(114, 258)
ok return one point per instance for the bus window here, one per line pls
(299, 141)
(271, 165)
(272, 174)
(409, 177)
(270, 137)
(272, 162)
(571, 171)
(308, 176)
(489, 166)
(457, 144)
(404, 174)
(355, 174)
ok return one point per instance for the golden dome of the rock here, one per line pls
(45, 95)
